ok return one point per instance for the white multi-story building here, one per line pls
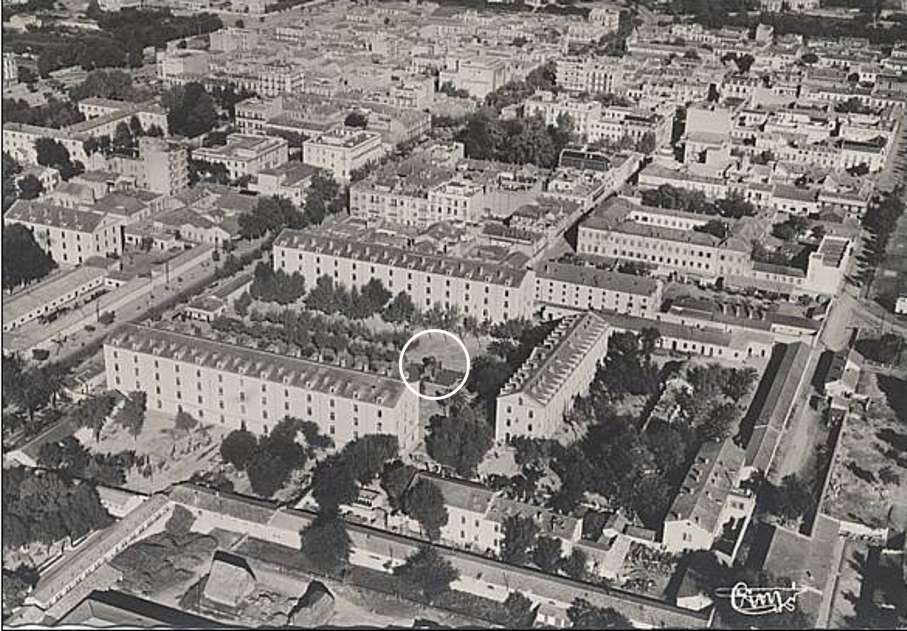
(709, 499)
(479, 76)
(162, 166)
(241, 387)
(551, 108)
(19, 141)
(10, 70)
(342, 151)
(534, 400)
(68, 235)
(487, 291)
(574, 288)
(177, 66)
(613, 232)
(667, 241)
(246, 155)
(589, 74)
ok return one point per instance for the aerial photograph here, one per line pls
(454, 314)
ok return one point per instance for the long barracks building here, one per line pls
(487, 291)
(233, 385)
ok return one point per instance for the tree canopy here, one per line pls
(427, 572)
(326, 543)
(23, 259)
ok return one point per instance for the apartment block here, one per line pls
(589, 74)
(246, 155)
(489, 292)
(342, 151)
(162, 166)
(239, 387)
(534, 400)
(585, 287)
(68, 235)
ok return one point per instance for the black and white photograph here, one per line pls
(454, 314)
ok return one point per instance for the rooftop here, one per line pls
(42, 213)
(302, 373)
(707, 484)
(551, 363)
(599, 278)
(355, 248)
(39, 295)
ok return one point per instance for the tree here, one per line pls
(809, 58)
(333, 484)
(547, 554)
(739, 382)
(267, 474)
(132, 415)
(425, 503)
(30, 187)
(365, 456)
(92, 412)
(395, 478)
(719, 422)
(191, 110)
(237, 448)
(427, 572)
(324, 197)
(52, 153)
(744, 62)
(10, 191)
(575, 565)
(326, 543)
(184, 422)
(180, 523)
(459, 441)
(519, 610)
(122, 139)
(16, 585)
(791, 500)
(106, 84)
(520, 536)
(23, 260)
(375, 295)
(47, 507)
(714, 227)
(400, 310)
(584, 615)
(356, 119)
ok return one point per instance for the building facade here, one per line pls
(241, 387)
(534, 400)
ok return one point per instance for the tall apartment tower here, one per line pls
(166, 165)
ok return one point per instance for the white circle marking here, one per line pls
(403, 373)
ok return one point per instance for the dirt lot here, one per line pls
(174, 456)
(870, 474)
